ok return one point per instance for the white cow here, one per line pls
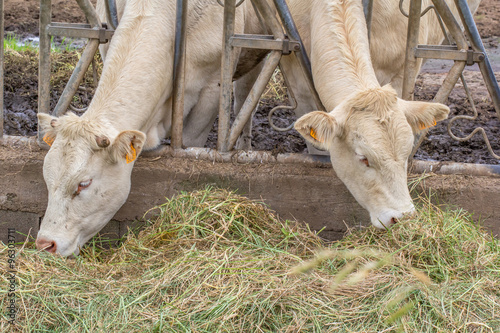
(87, 169)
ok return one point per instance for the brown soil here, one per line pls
(21, 19)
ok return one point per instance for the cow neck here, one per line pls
(340, 54)
(136, 71)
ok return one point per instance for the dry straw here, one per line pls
(213, 261)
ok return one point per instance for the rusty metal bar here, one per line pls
(301, 54)
(227, 68)
(1, 67)
(179, 74)
(410, 68)
(477, 45)
(253, 97)
(44, 63)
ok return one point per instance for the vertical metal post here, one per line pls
(477, 45)
(1, 68)
(293, 33)
(44, 59)
(411, 45)
(227, 68)
(179, 74)
(368, 10)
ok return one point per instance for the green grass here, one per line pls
(13, 43)
(212, 261)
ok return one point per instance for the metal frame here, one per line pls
(279, 42)
(462, 54)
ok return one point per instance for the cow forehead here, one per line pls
(388, 137)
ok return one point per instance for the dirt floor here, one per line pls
(21, 19)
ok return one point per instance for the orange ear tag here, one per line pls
(131, 156)
(422, 126)
(314, 135)
(48, 139)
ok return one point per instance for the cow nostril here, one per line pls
(47, 245)
(394, 220)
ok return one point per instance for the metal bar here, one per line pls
(410, 68)
(227, 68)
(441, 96)
(179, 74)
(78, 31)
(477, 45)
(451, 23)
(253, 97)
(368, 10)
(423, 51)
(89, 12)
(269, 18)
(111, 13)
(263, 42)
(302, 57)
(44, 61)
(76, 77)
(1, 67)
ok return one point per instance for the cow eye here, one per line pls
(83, 185)
(364, 160)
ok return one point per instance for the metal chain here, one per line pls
(283, 107)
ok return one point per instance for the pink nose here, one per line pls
(45, 244)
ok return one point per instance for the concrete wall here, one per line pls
(308, 192)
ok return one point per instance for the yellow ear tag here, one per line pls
(422, 126)
(131, 156)
(314, 135)
(48, 139)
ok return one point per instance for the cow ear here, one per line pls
(422, 115)
(127, 146)
(318, 127)
(48, 126)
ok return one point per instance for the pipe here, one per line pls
(44, 63)
(477, 45)
(410, 68)
(179, 74)
(451, 23)
(227, 68)
(368, 10)
(111, 13)
(302, 57)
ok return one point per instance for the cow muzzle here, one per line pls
(44, 244)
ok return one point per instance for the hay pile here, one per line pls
(213, 261)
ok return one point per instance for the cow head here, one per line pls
(87, 171)
(370, 137)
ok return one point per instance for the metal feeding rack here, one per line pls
(283, 39)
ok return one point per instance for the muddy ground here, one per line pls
(21, 19)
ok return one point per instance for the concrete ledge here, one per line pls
(307, 191)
